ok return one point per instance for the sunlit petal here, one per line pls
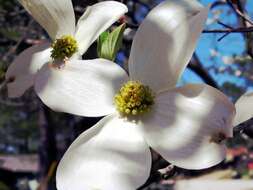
(187, 125)
(96, 20)
(22, 71)
(165, 41)
(83, 88)
(112, 155)
(244, 109)
(56, 16)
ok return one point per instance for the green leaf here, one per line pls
(102, 38)
(110, 43)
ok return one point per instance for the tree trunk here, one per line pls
(47, 149)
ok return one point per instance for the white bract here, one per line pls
(39, 65)
(186, 125)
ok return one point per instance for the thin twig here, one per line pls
(239, 13)
(248, 37)
(235, 30)
(225, 25)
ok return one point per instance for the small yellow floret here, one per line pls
(134, 98)
(64, 47)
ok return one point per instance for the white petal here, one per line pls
(214, 185)
(56, 16)
(112, 155)
(244, 109)
(96, 20)
(83, 88)
(183, 122)
(165, 41)
(25, 67)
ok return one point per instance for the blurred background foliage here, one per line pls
(29, 128)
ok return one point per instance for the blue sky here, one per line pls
(231, 45)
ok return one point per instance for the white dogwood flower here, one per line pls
(69, 42)
(186, 125)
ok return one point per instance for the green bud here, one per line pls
(110, 43)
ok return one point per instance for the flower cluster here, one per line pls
(64, 47)
(134, 98)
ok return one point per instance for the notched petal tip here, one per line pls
(188, 125)
(24, 68)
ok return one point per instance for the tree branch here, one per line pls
(230, 30)
(197, 67)
(239, 11)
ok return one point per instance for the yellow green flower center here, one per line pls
(134, 98)
(64, 47)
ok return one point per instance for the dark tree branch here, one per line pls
(245, 22)
(239, 11)
(196, 66)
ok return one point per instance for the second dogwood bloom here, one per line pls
(185, 125)
(57, 63)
